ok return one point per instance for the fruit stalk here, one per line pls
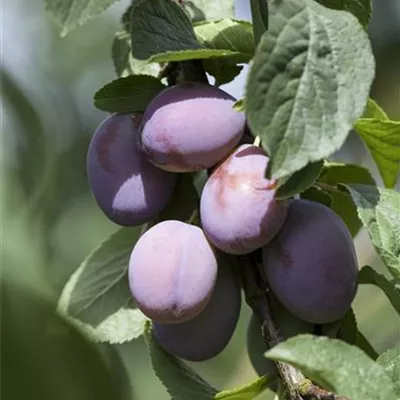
(256, 291)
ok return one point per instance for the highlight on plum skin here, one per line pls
(238, 208)
(126, 186)
(206, 335)
(311, 265)
(172, 272)
(190, 126)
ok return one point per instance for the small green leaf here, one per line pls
(336, 366)
(348, 328)
(382, 138)
(160, 26)
(308, 84)
(240, 105)
(97, 298)
(368, 275)
(69, 14)
(194, 54)
(209, 9)
(199, 180)
(334, 174)
(260, 15)
(390, 361)
(373, 110)
(318, 195)
(300, 180)
(121, 53)
(130, 94)
(124, 63)
(228, 34)
(222, 69)
(246, 392)
(364, 344)
(378, 210)
(181, 382)
(362, 9)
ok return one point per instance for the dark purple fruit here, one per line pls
(190, 126)
(126, 186)
(311, 265)
(172, 272)
(206, 335)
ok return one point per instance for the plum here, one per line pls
(289, 326)
(311, 265)
(172, 272)
(206, 335)
(238, 209)
(126, 186)
(190, 126)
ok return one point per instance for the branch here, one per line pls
(258, 300)
(256, 292)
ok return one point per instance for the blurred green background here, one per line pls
(50, 221)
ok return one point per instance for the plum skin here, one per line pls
(126, 186)
(238, 209)
(206, 335)
(172, 272)
(190, 126)
(311, 265)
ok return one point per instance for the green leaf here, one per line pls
(97, 298)
(246, 392)
(334, 174)
(209, 9)
(390, 361)
(260, 15)
(364, 344)
(121, 54)
(318, 195)
(336, 366)
(199, 180)
(69, 14)
(300, 180)
(368, 275)
(362, 9)
(195, 54)
(124, 63)
(382, 138)
(222, 69)
(160, 26)
(53, 359)
(130, 94)
(348, 328)
(373, 110)
(228, 34)
(181, 382)
(308, 84)
(378, 210)
(240, 105)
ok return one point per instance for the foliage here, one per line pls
(311, 70)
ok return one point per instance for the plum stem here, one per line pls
(256, 291)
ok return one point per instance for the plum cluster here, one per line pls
(175, 273)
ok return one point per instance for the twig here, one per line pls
(294, 382)
(258, 300)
